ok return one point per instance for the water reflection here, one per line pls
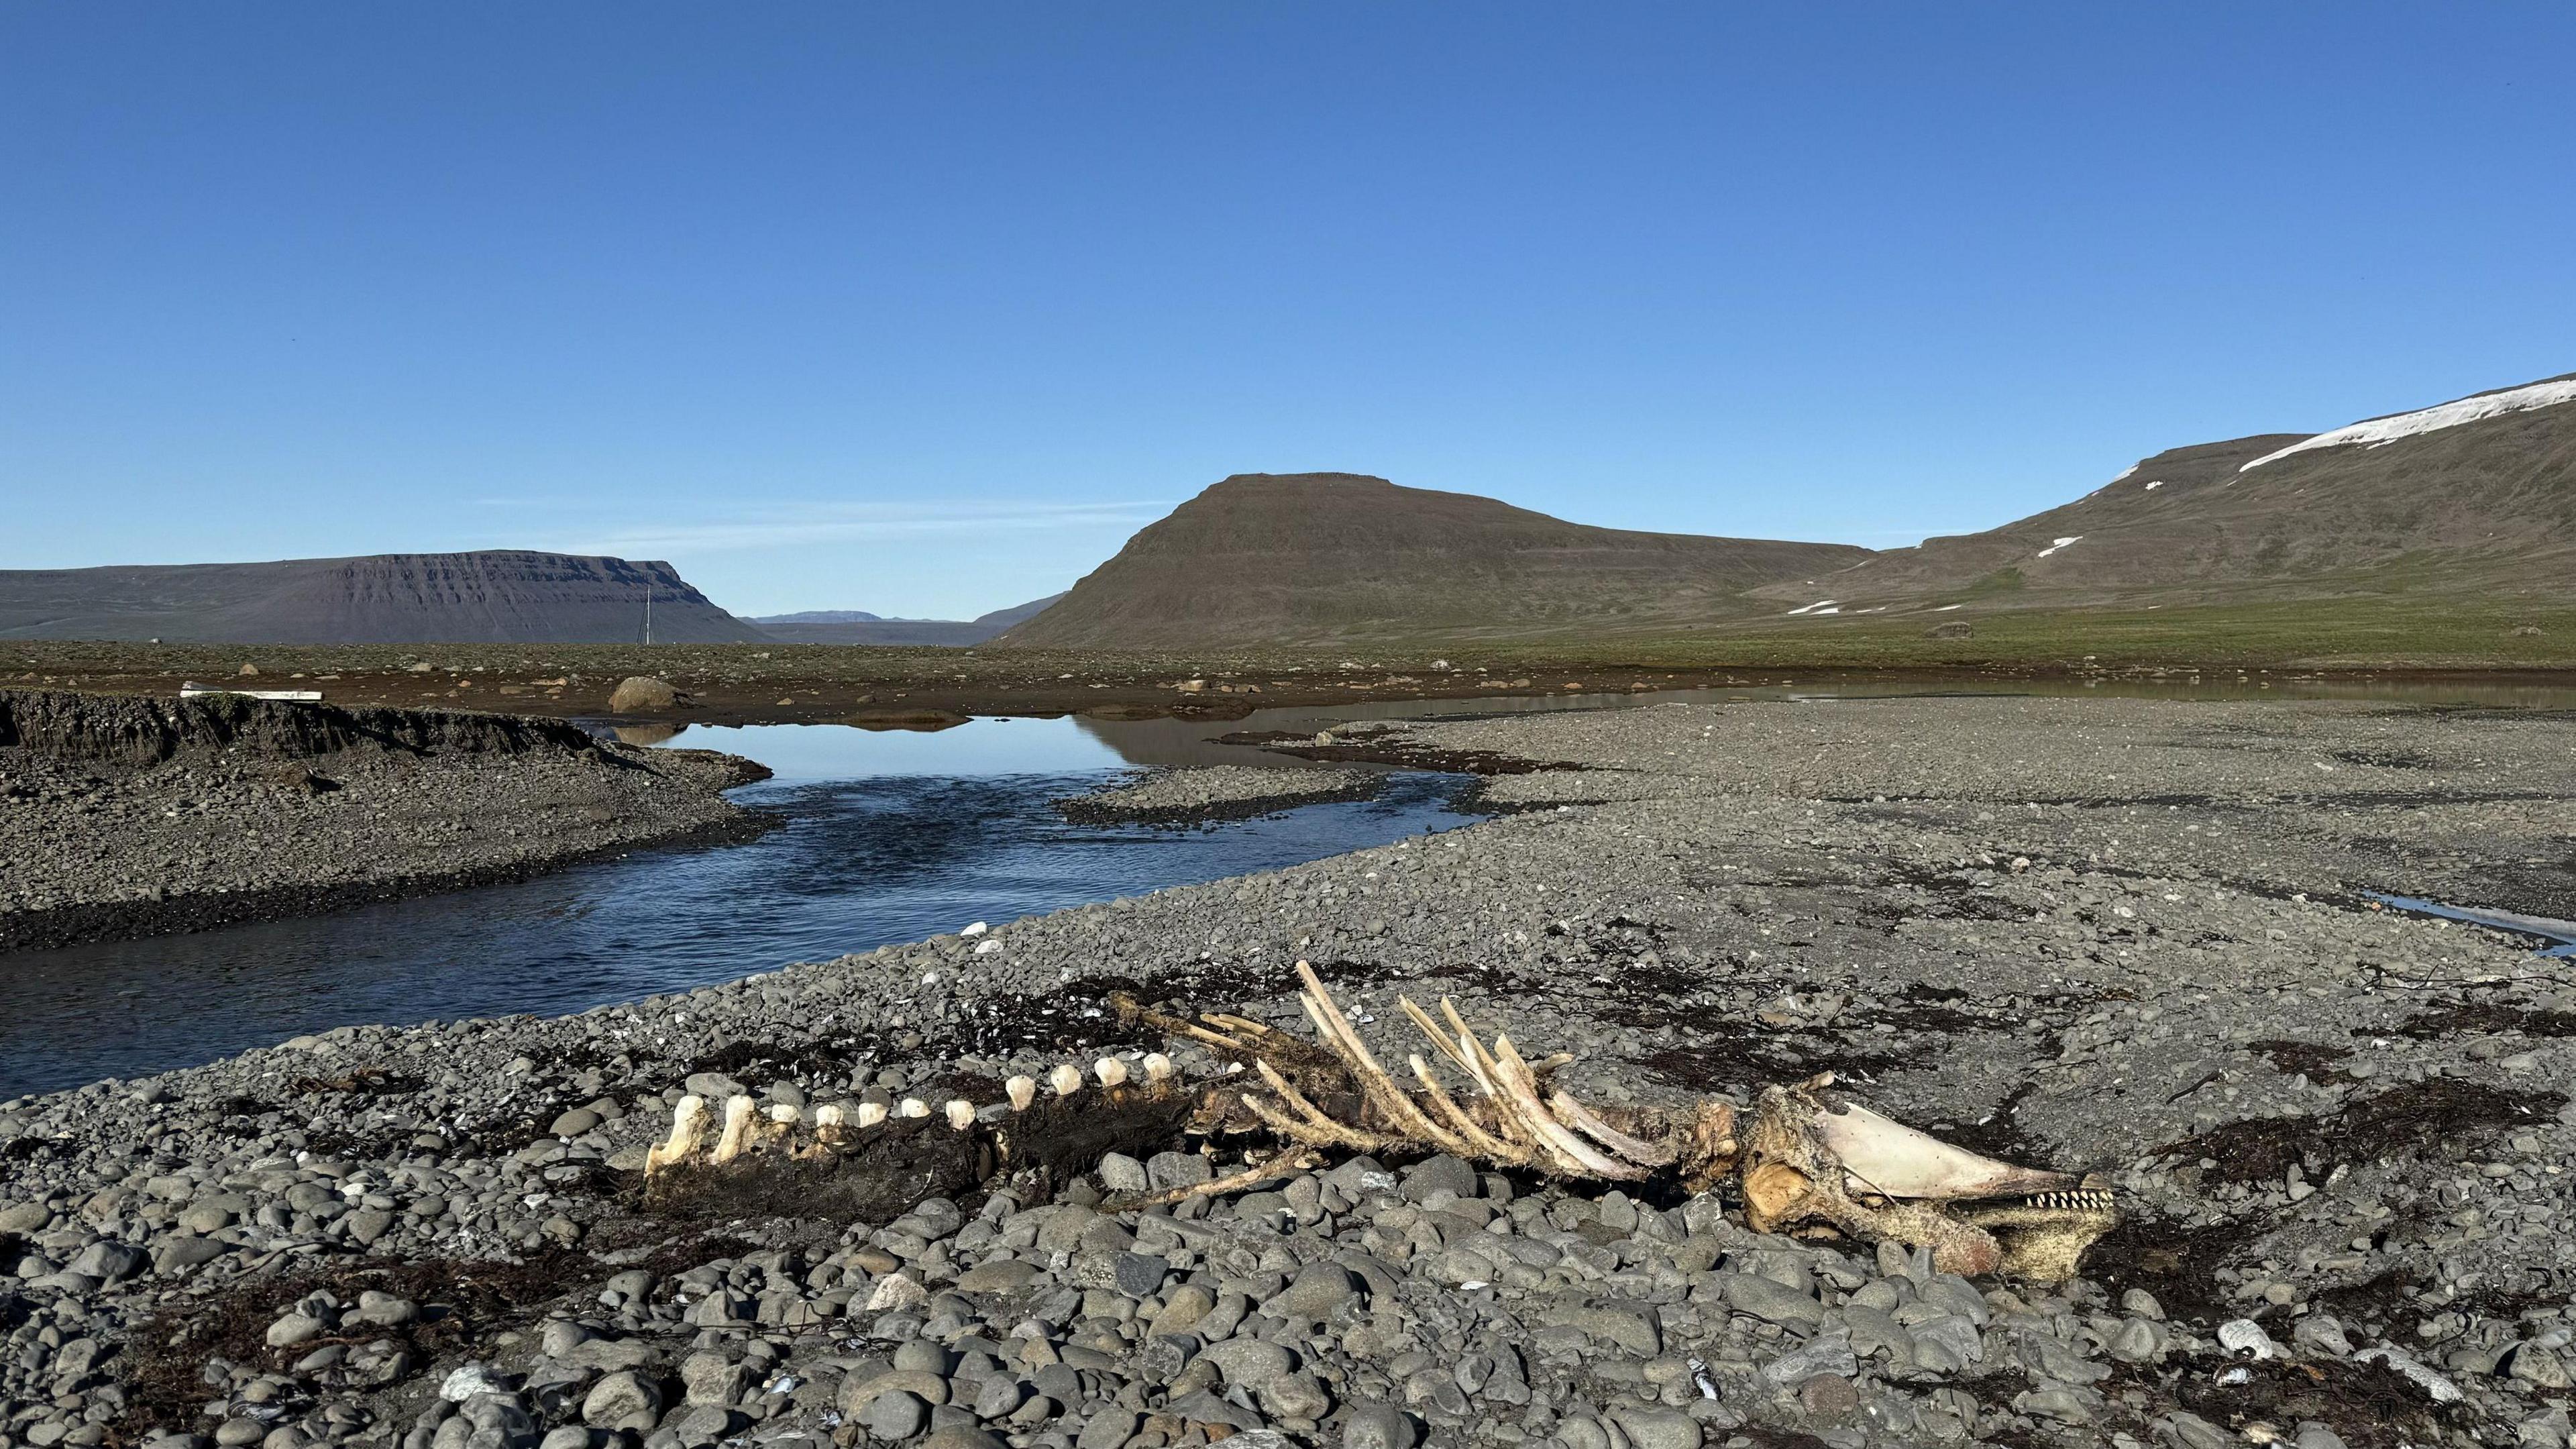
(888, 837)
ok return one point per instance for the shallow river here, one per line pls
(889, 837)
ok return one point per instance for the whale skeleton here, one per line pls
(1804, 1157)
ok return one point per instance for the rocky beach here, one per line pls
(2134, 938)
(130, 816)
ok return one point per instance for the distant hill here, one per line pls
(2442, 497)
(1321, 558)
(851, 626)
(500, 596)
(820, 616)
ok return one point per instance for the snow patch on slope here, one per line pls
(1819, 606)
(2056, 544)
(2379, 432)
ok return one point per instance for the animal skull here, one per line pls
(1806, 1158)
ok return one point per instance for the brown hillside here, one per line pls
(1318, 558)
(498, 596)
(2285, 515)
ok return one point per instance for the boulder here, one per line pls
(640, 693)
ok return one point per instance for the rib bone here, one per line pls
(1806, 1158)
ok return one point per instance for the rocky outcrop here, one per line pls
(497, 596)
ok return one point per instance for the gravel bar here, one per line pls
(1219, 792)
(128, 817)
(2113, 935)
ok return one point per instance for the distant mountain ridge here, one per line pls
(819, 616)
(494, 596)
(2481, 487)
(1323, 558)
(853, 626)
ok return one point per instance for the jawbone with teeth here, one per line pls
(1805, 1158)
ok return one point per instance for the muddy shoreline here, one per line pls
(132, 818)
(2120, 936)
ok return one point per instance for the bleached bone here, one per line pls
(688, 1136)
(1976, 1215)
(1894, 1160)
(739, 1115)
(1807, 1158)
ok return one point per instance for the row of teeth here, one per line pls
(744, 1127)
(2081, 1197)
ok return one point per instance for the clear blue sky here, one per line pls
(923, 308)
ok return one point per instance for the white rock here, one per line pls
(2245, 1336)
(469, 1380)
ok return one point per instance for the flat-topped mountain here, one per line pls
(2448, 496)
(499, 596)
(853, 626)
(1319, 558)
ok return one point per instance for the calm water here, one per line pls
(890, 837)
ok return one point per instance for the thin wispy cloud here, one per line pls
(782, 527)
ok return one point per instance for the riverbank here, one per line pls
(1217, 792)
(888, 688)
(130, 817)
(2125, 936)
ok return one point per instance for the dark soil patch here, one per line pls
(1956, 897)
(1723, 1057)
(2307, 1059)
(2386, 759)
(897, 1164)
(1768, 1436)
(2176, 1262)
(462, 1302)
(902, 1162)
(2373, 1304)
(2405, 1121)
(2370, 1405)
(1997, 1134)
(2449, 1018)
(1386, 749)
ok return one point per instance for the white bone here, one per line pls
(961, 1114)
(688, 1130)
(739, 1113)
(1066, 1079)
(831, 1115)
(1158, 1068)
(871, 1113)
(782, 1114)
(913, 1107)
(1894, 1160)
(1110, 1070)
(1022, 1091)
